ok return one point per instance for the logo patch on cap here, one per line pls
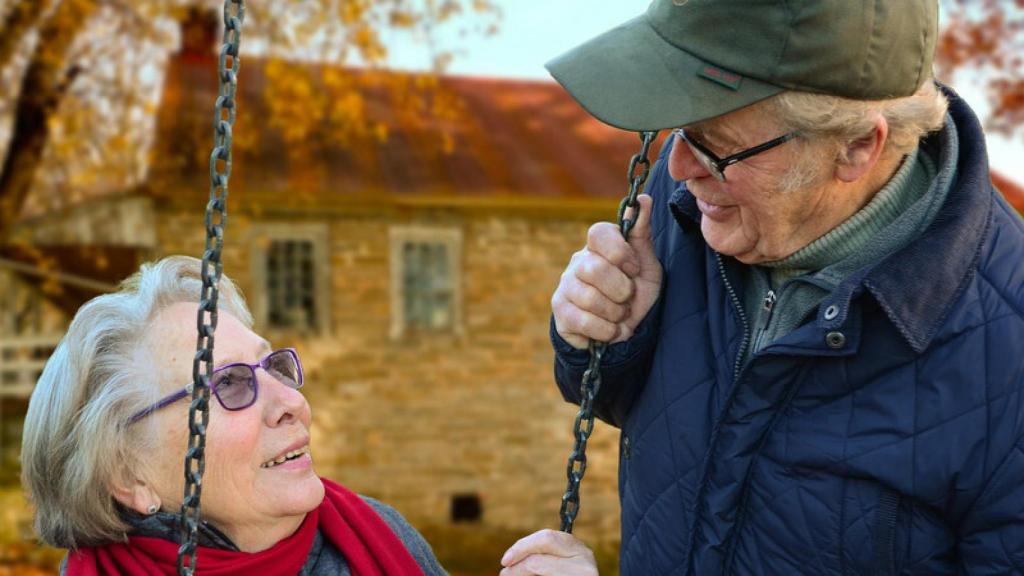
(720, 76)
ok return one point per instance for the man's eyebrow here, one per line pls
(715, 135)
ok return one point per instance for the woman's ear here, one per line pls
(136, 495)
(862, 154)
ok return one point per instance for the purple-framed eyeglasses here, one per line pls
(235, 385)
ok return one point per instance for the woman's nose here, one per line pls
(284, 403)
(682, 164)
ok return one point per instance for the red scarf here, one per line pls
(347, 522)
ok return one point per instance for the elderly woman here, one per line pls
(105, 438)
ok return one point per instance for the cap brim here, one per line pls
(632, 78)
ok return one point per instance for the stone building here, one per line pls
(412, 270)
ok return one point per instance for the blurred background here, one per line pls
(408, 185)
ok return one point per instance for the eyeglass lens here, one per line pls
(282, 365)
(701, 157)
(235, 385)
(707, 163)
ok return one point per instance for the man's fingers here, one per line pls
(642, 229)
(642, 244)
(590, 299)
(605, 239)
(577, 326)
(545, 542)
(549, 565)
(610, 284)
(594, 270)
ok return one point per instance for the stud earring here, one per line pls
(152, 508)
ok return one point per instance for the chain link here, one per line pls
(639, 168)
(206, 321)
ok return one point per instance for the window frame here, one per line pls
(261, 235)
(451, 239)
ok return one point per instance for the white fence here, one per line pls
(21, 361)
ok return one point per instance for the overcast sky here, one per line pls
(534, 31)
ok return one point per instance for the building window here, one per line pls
(291, 286)
(290, 276)
(466, 508)
(426, 283)
(426, 291)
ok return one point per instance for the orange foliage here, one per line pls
(95, 133)
(28, 559)
(988, 35)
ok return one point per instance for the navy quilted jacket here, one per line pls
(887, 440)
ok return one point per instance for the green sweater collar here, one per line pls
(841, 244)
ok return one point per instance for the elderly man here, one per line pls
(816, 326)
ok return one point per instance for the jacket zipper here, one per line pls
(743, 319)
(769, 305)
(737, 369)
(769, 302)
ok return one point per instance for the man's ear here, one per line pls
(862, 154)
(136, 495)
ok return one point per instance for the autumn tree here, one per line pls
(987, 37)
(79, 89)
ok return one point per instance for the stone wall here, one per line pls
(419, 419)
(116, 221)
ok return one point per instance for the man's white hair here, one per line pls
(76, 442)
(838, 122)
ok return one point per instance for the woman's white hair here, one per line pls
(838, 122)
(76, 442)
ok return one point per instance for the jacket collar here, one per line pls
(918, 285)
(166, 525)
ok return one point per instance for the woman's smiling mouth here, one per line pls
(297, 456)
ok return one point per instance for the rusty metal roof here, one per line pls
(508, 138)
(499, 138)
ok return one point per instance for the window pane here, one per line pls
(290, 284)
(426, 284)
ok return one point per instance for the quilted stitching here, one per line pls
(794, 488)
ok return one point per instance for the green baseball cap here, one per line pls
(685, 61)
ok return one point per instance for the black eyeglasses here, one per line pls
(235, 385)
(715, 165)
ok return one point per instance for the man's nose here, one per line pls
(682, 164)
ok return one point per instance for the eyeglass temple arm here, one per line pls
(165, 402)
(759, 148)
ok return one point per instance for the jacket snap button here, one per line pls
(835, 340)
(831, 312)
(625, 446)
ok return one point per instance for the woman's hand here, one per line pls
(549, 553)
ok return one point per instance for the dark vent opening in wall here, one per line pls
(466, 508)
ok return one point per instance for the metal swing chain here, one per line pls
(206, 321)
(591, 384)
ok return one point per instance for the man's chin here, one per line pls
(742, 253)
(720, 237)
